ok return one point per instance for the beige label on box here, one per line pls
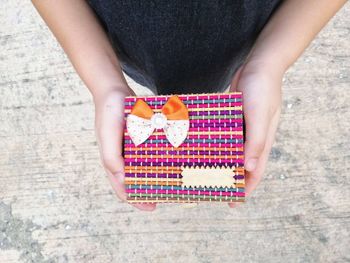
(208, 176)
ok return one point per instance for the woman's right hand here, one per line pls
(109, 129)
(85, 41)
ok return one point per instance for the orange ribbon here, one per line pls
(173, 109)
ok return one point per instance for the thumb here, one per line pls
(109, 126)
(256, 121)
(110, 145)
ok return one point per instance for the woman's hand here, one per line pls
(283, 39)
(261, 87)
(109, 128)
(82, 37)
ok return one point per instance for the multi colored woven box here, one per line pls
(184, 148)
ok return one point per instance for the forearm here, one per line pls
(76, 28)
(290, 30)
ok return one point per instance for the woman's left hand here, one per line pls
(261, 87)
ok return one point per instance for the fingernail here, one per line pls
(251, 164)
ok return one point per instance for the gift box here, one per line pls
(184, 148)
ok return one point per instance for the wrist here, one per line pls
(102, 95)
(263, 65)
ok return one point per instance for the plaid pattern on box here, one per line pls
(206, 163)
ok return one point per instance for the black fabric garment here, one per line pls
(183, 46)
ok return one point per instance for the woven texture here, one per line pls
(155, 170)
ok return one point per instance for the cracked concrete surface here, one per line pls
(56, 204)
(17, 234)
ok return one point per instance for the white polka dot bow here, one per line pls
(173, 119)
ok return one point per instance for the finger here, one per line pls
(110, 130)
(117, 182)
(114, 166)
(119, 189)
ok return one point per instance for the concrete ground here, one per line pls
(56, 204)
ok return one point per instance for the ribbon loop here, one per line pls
(142, 109)
(175, 109)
